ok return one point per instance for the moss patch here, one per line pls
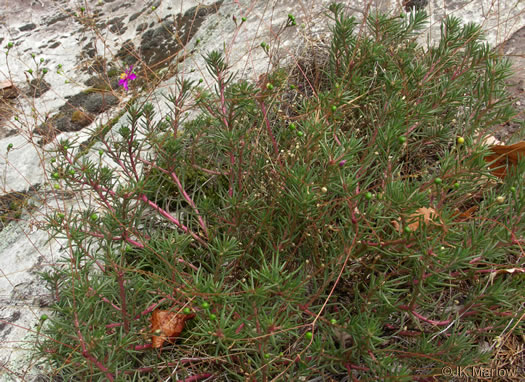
(77, 112)
(12, 205)
(160, 45)
(81, 118)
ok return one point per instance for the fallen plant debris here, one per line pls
(167, 326)
(423, 215)
(8, 90)
(505, 156)
(462, 216)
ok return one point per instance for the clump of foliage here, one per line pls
(289, 224)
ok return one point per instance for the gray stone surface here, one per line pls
(49, 30)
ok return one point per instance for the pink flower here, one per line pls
(127, 76)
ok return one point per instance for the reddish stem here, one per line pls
(169, 364)
(120, 277)
(87, 355)
(190, 201)
(149, 309)
(161, 211)
(269, 128)
(422, 318)
(188, 264)
(142, 347)
(182, 191)
(351, 367)
(195, 377)
(104, 299)
(238, 330)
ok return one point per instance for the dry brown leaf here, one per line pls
(490, 140)
(8, 89)
(504, 155)
(168, 324)
(461, 216)
(426, 214)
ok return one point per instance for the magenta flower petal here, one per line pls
(127, 76)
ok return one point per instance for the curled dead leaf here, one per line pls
(462, 216)
(423, 214)
(428, 214)
(167, 326)
(8, 89)
(511, 270)
(490, 140)
(502, 156)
